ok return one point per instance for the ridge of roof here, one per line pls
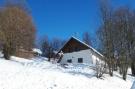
(87, 45)
(72, 37)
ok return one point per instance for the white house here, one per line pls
(78, 52)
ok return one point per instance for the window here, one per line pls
(80, 60)
(69, 60)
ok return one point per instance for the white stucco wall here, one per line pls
(87, 55)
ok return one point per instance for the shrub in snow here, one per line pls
(100, 69)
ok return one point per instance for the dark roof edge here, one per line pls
(84, 44)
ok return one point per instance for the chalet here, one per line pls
(78, 52)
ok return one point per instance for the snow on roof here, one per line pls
(88, 46)
(37, 50)
(85, 45)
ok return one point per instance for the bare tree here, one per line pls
(100, 69)
(124, 27)
(86, 38)
(133, 45)
(117, 38)
(107, 34)
(45, 47)
(56, 43)
(50, 47)
(18, 29)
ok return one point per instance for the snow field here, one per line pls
(19, 73)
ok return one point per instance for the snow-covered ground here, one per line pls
(19, 73)
(133, 86)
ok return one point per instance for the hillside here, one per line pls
(20, 73)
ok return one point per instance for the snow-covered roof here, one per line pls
(85, 45)
(88, 46)
(37, 50)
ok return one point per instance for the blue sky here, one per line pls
(65, 18)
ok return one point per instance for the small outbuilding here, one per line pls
(37, 52)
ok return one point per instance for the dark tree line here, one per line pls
(117, 35)
(16, 29)
(51, 47)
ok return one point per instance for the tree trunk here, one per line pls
(133, 68)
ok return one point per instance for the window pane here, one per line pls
(69, 60)
(80, 60)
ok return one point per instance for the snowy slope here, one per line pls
(133, 86)
(20, 73)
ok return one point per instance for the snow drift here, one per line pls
(19, 73)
